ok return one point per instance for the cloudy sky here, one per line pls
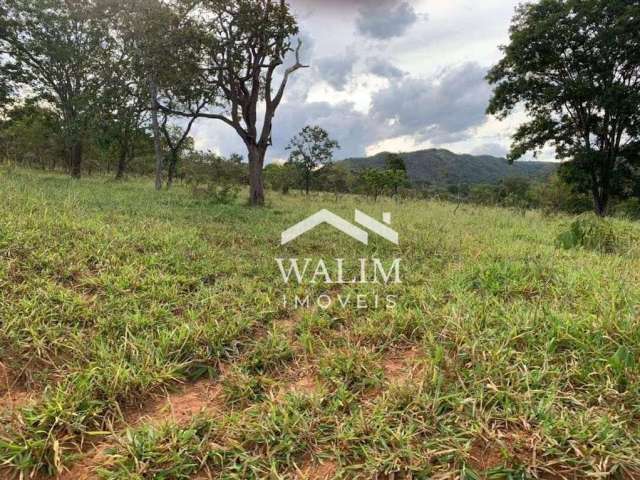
(391, 75)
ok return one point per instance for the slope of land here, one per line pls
(442, 167)
(143, 335)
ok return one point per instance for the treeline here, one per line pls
(555, 194)
(32, 137)
(116, 85)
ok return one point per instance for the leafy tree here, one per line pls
(124, 108)
(242, 44)
(396, 172)
(32, 136)
(177, 140)
(311, 149)
(335, 178)
(394, 161)
(5, 92)
(375, 181)
(575, 67)
(157, 38)
(218, 175)
(59, 48)
(281, 177)
(395, 179)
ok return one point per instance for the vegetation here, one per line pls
(152, 333)
(575, 67)
(442, 167)
(38, 38)
(236, 53)
(132, 59)
(508, 354)
(311, 149)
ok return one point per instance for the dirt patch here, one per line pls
(12, 395)
(306, 384)
(180, 406)
(506, 445)
(325, 470)
(400, 365)
(485, 456)
(85, 469)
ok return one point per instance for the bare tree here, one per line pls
(176, 139)
(242, 45)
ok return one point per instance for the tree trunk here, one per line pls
(173, 169)
(122, 164)
(307, 182)
(600, 203)
(76, 159)
(153, 93)
(256, 183)
(600, 191)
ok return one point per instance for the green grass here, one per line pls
(524, 364)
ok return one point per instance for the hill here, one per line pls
(438, 166)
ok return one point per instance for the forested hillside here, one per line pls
(438, 166)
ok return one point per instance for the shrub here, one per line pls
(629, 209)
(555, 195)
(224, 194)
(592, 233)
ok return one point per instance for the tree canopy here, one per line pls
(60, 50)
(574, 66)
(311, 149)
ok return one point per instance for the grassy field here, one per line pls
(143, 335)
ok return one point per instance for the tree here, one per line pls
(242, 45)
(575, 67)
(395, 179)
(5, 92)
(177, 140)
(311, 149)
(123, 104)
(32, 136)
(155, 37)
(335, 178)
(396, 172)
(281, 177)
(60, 49)
(375, 181)
(394, 161)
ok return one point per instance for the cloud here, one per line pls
(383, 68)
(352, 129)
(441, 110)
(337, 70)
(493, 149)
(386, 19)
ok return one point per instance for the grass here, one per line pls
(508, 355)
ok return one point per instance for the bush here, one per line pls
(592, 233)
(557, 196)
(219, 194)
(629, 209)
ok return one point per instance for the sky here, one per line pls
(390, 75)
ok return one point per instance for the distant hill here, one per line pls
(442, 167)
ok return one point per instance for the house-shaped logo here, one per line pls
(325, 216)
